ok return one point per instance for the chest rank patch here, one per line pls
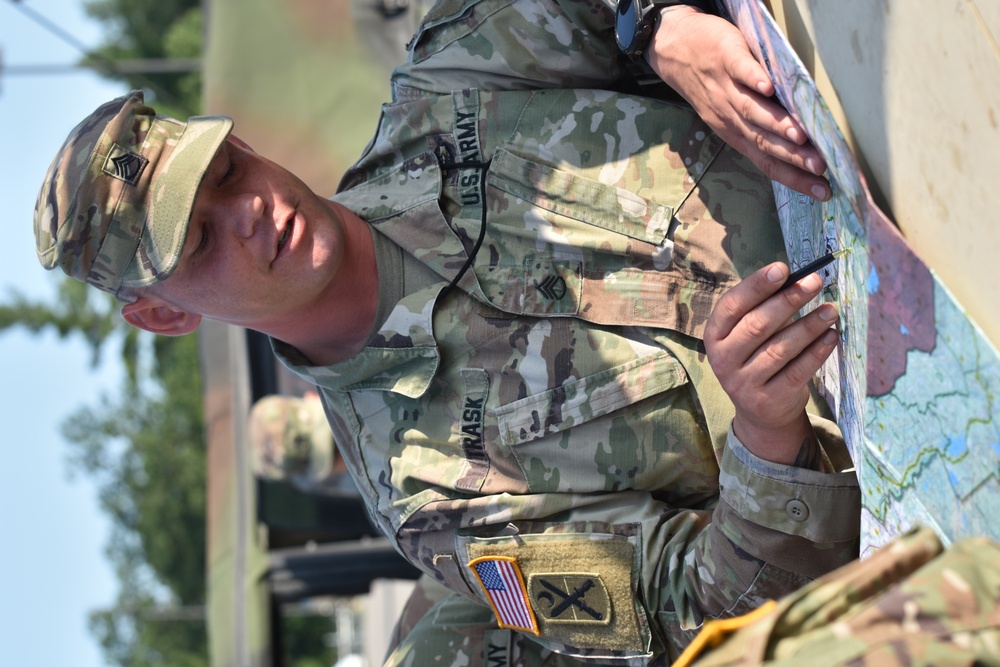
(580, 599)
(552, 287)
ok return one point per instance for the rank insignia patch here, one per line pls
(125, 165)
(503, 584)
(580, 599)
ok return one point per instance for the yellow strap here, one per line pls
(714, 632)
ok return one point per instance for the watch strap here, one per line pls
(648, 19)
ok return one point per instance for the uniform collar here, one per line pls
(402, 356)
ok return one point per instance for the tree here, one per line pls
(78, 309)
(145, 451)
(143, 29)
(145, 448)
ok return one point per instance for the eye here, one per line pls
(230, 168)
(202, 242)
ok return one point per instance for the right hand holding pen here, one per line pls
(765, 360)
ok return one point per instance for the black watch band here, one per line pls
(635, 22)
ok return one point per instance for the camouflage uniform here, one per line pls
(549, 410)
(912, 604)
(114, 206)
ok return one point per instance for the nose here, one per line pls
(244, 212)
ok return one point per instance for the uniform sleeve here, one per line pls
(793, 501)
(775, 529)
(511, 45)
(772, 530)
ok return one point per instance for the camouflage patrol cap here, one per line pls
(290, 439)
(114, 206)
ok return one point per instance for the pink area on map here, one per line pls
(900, 304)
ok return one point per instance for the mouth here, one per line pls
(286, 235)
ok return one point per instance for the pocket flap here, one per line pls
(586, 398)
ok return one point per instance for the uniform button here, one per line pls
(797, 510)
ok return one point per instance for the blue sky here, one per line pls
(52, 566)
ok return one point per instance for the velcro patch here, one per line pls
(579, 589)
(496, 648)
(504, 586)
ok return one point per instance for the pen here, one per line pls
(812, 267)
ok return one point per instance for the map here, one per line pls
(914, 381)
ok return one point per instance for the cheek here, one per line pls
(218, 280)
(329, 246)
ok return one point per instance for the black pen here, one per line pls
(812, 267)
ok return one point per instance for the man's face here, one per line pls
(261, 247)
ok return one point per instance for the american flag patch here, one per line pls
(504, 586)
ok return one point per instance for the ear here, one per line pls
(151, 314)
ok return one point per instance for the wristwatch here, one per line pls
(635, 22)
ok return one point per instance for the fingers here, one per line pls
(752, 327)
(779, 147)
(706, 59)
(764, 358)
(771, 137)
(789, 175)
(747, 295)
(788, 359)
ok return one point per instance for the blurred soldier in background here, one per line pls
(291, 440)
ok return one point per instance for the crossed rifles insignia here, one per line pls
(570, 598)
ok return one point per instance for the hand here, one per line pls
(706, 59)
(764, 360)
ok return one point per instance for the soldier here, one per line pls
(290, 440)
(523, 311)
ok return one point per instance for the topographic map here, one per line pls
(914, 381)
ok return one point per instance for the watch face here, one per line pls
(626, 24)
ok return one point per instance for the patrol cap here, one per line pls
(114, 207)
(290, 439)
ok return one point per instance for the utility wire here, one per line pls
(131, 66)
(100, 63)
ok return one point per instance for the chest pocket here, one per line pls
(448, 21)
(602, 432)
(548, 240)
(582, 202)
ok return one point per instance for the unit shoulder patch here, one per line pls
(563, 597)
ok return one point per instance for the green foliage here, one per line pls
(183, 40)
(144, 636)
(303, 639)
(142, 29)
(145, 448)
(77, 309)
(146, 452)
